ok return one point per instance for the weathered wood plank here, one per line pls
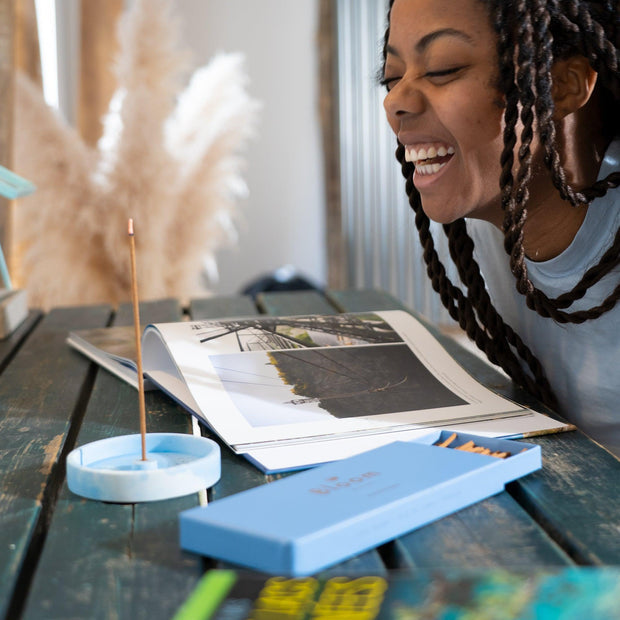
(289, 303)
(472, 536)
(107, 560)
(222, 307)
(362, 300)
(492, 533)
(575, 497)
(150, 312)
(10, 344)
(39, 391)
(133, 550)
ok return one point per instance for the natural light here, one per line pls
(46, 22)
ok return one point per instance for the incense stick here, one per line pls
(136, 321)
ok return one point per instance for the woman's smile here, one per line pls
(443, 106)
(429, 158)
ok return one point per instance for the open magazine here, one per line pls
(289, 392)
(292, 392)
(114, 348)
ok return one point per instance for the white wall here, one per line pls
(283, 218)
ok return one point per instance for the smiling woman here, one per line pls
(504, 115)
(439, 72)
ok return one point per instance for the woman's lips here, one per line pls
(429, 159)
(427, 150)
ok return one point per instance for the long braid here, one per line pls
(545, 106)
(596, 47)
(596, 43)
(543, 40)
(515, 205)
(544, 111)
(534, 20)
(541, 31)
(491, 335)
(500, 334)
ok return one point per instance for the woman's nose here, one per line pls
(404, 98)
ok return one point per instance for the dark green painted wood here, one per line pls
(222, 307)
(361, 300)
(290, 303)
(39, 392)
(496, 532)
(150, 312)
(105, 560)
(10, 344)
(472, 536)
(575, 496)
(112, 560)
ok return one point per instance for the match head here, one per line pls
(130, 227)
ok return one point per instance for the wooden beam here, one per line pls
(27, 50)
(98, 47)
(327, 47)
(7, 20)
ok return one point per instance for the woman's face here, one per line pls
(440, 68)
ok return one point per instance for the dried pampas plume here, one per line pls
(170, 158)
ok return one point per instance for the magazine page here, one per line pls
(113, 348)
(265, 381)
(291, 456)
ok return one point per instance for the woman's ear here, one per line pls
(573, 85)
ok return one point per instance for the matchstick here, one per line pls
(136, 321)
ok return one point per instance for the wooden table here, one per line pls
(62, 556)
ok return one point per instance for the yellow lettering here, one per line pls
(284, 599)
(357, 599)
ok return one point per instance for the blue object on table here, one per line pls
(303, 523)
(13, 186)
(111, 470)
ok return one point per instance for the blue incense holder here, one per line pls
(112, 470)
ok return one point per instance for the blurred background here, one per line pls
(325, 194)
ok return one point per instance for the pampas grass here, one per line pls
(169, 157)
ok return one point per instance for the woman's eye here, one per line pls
(389, 82)
(443, 76)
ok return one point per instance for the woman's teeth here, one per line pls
(423, 158)
(428, 168)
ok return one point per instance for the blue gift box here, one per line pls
(308, 521)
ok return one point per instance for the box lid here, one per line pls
(320, 516)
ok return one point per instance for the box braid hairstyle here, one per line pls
(541, 31)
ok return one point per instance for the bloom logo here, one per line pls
(335, 483)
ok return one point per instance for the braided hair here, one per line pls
(542, 31)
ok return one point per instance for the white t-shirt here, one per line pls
(582, 361)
